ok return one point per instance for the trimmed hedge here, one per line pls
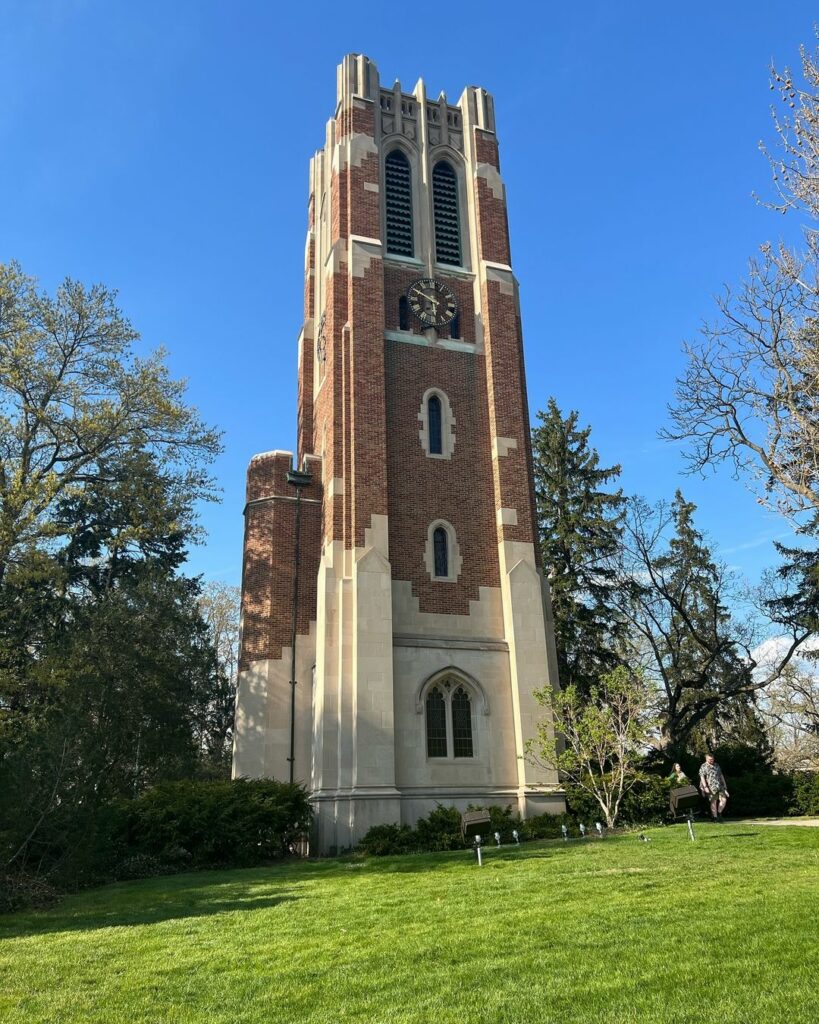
(805, 798)
(191, 824)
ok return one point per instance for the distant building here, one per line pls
(423, 621)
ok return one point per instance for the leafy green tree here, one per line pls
(73, 394)
(117, 661)
(105, 658)
(599, 739)
(580, 524)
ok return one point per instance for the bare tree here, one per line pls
(219, 605)
(750, 393)
(790, 711)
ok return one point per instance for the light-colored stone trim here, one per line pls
(353, 151)
(461, 678)
(418, 339)
(448, 643)
(362, 253)
(454, 560)
(507, 517)
(371, 186)
(264, 455)
(501, 446)
(335, 486)
(505, 278)
(491, 175)
(411, 262)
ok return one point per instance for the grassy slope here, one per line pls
(724, 930)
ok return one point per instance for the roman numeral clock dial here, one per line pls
(432, 302)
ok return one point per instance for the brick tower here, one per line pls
(422, 620)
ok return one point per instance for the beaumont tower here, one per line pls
(398, 551)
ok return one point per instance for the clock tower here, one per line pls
(395, 617)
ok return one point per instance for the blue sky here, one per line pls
(162, 148)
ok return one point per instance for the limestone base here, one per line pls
(342, 819)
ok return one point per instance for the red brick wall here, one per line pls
(486, 148)
(508, 410)
(268, 569)
(493, 227)
(422, 489)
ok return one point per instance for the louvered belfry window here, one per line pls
(447, 214)
(399, 204)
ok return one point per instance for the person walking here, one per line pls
(713, 787)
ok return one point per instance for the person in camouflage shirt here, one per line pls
(713, 787)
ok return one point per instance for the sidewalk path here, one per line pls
(807, 822)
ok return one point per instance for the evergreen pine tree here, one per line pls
(580, 526)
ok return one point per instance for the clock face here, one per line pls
(432, 302)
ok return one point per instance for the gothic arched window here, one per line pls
(461, 723)
(436, 443)
(440, 547)
(446, 214)
(398, 202)
(436, 724)
(448, 716)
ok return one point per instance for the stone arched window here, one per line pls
(435, 425)
(398, 204)
(442, 554)
(449, 706)
(437, 433)
(440, 545)
(446, 214)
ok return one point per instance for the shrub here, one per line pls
(141, 865)
(805, 798)
(217, 824)
(503, 820)
(647, 802)
(546, 826)
(440, 830)
(25, 892)
(384, 840)
(759, 794)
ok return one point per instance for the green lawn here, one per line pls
(719, 931)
